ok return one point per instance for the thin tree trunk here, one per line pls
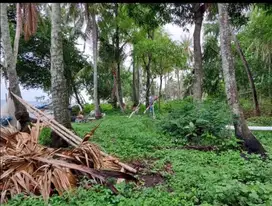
(269, 82)
(95, 38)
(198, 71)
(113, 93)
(165, 85)
(138, 86)
(119, 88)
(115, 89)
(140, 72)
(249, 75)
(181, 86)
(118, 61)
(82, 99)
(160, 92)
(21, 113)
(117, 95)
(76, 94)
(59, 89)
(250, 143)
(148, 76)
(148, 72)
(135, 86)
(177, 72)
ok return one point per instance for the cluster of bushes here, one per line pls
(87, 108)
(197, 123)
(248, 107)
(260, 121)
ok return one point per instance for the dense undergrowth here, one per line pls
(194, 178)
(198, 123)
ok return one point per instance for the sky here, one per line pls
(175, 32)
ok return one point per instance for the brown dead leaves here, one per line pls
(30, 168)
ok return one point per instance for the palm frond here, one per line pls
(211, 28)
(30, 168)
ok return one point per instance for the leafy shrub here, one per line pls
(106, 107)
(142, 108)
(87, 108)
(260, 121)
(198, 178)
(198, 123)
(75, 110)
(45, 136)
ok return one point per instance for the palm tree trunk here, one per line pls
(59, 90)
(249, 75)
(21, 113)
(250, 143)
(18, 31)
(95, 37)
(198, 71)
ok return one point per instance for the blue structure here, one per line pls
(4, 121)
(44, 106)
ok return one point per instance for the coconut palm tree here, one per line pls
(26, 16)
(85, 14)
(59, 91)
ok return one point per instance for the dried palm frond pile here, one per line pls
(30, 168)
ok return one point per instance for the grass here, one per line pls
(127, 138)
(199, 178)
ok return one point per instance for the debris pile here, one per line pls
(30, 168)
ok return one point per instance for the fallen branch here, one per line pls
(30, 168)
(62, 131)
(136, 110)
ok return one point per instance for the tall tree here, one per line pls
(148, 17)
(198, 10)
(59, 91)
(213, 80)
(116, 28)
(250, 143)
(95, 39)
(82, 14)
(119, 94)
(256, 37)
(249, 75)
(21, 113)
(193, 14)
(136, 80)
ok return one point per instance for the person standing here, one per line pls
(151, 105)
